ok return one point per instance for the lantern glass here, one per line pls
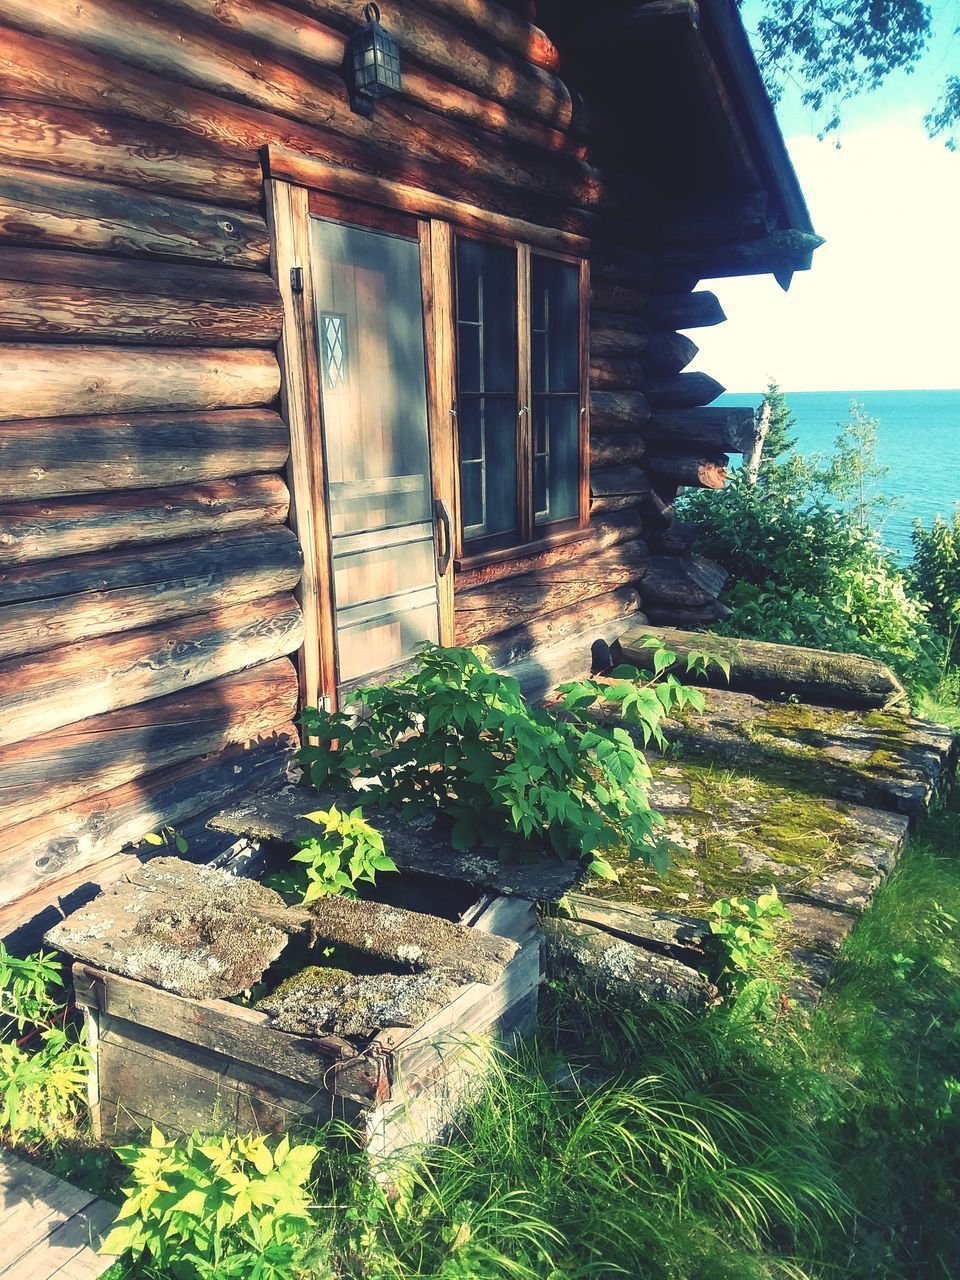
(375, 57)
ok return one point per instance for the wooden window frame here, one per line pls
(297, 186)
(528, 536)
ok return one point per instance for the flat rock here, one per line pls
(421, 845)
(879, 758)
(193, 930)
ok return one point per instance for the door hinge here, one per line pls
(296, 279)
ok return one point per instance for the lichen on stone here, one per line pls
(321, 1001)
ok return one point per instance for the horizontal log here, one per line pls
(104, 148)
(668, 353)
(619, 297)
(31, 531)
(696, 472)
(484, 611)
(59, 604)
(607, 340)
(446, 45)
(725, 430)
(50, 210)
(688, 581)
(107, 751)
(618, 410)
(641, 21)
(620, 479)
(47, 691)
(146, 277)
(599, 536)
(682, 391)
(40, 855)
(615, 373)
(737, 218)
(543, 629)
(500, 25)
(780, 253)
(58, 312)
(831, 679)
(685, 310)
(617, 450)
(54, 457)
(57, 381)
(323, 176)
(314, 96)
(268, 25)
(613, 265)
(704, 615)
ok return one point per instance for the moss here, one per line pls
(883, 761)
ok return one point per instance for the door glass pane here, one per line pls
(555, 376)
(487, 387)
(373, 386)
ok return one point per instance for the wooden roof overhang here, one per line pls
(675, 97)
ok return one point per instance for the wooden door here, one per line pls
(370, 349)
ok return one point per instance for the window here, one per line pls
(520, 393)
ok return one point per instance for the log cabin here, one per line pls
(324, 336)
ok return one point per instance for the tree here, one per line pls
(775, 422)
(837, 49)
(854, 466)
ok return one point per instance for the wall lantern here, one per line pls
(374, 59)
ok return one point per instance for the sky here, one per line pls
(880, 309)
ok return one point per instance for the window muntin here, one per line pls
(518, 341)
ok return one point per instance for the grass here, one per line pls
(660, 1145)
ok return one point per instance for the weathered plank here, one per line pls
(55, 457)
(106, 148)
(47, 691)
(45, 530)
(517, 642)
(37, 856)
(514, 562)
(63, 602)
(50, 1228)
(57, 381)
(422, 845)
(485, 610)
(107, 751)
(61, 312)
(49, 210)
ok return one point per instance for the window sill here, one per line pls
(519, 550)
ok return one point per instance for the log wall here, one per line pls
(147, 582)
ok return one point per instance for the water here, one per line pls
(918, 439)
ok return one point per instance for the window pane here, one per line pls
(487, 386)
(500, 439)
(555, 287)
(561, 459)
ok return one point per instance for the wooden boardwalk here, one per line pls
(47, 1227)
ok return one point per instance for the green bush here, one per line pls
(216, 1208)
(935, 572)
(345, 852)
(43, 1058)
(456, 737)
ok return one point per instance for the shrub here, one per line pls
(936, 572)
(43, 1059)
(211, 1209)
(458, 738)
(346, 851)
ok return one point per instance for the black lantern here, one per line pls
(375, 63)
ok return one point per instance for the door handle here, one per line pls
(445, 546)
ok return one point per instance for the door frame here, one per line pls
(288, 206)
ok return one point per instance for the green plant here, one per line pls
(743, 931)
(43, 1059)
(347, 852)
(207, 1209)
(167, 838)
(935, 573)
(459, 738)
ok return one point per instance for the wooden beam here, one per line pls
(730, 430)
(615, 373)
(682, 391)
(685, 310)
(52, 211)
(46, 530)
(57, 457)
(320, 175)
(46, 691)
(109, 593)
(702, 473)
(436, 265)
(668, 353)
(550, 628)
(646, 20)
(60, 381)
(618, 410)
(108, 751)
(105, 148)
(289, 218)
